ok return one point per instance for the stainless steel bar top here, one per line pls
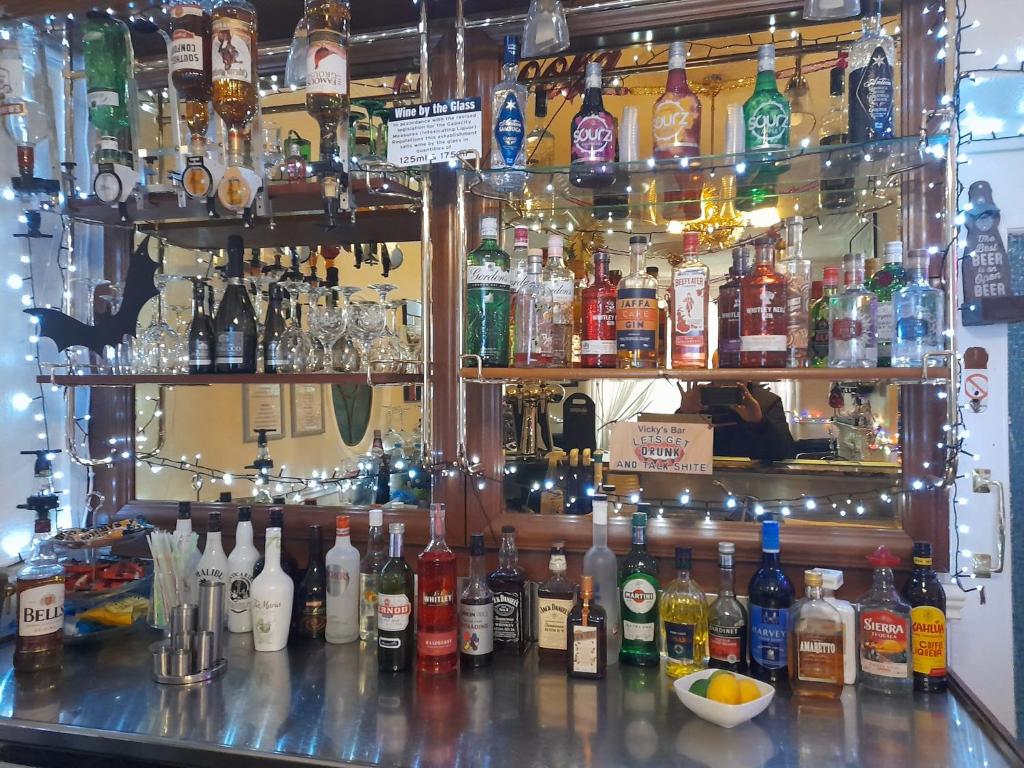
(326, 705)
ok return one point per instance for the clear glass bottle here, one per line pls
(918, 316)
(508, 138)
(638, 587)
(816, 644)
(852, 320)
(558, 298)
(600, 563)
(636, 311)
(597, 345)
(342, 562)
(540, 142)
(39, 643)
(234, 70)
(884, 630)
(520, 253)
(369, 574)
(437, 613)
(885, 283)
(872, 85)
(763, 322)
(488, 299)
(771, 598)
(684, 620)
(837, 191)
(531, 308)
(587, 635)
(327, 89)
(555, 598)
(923, 591)
(476, 611)
(797, 271)
(594, 139)
(689, 306)
(820, 331)
(27, 99)
(727, 618)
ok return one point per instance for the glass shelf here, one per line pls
(930, 375)
(648, 196)
(199, 380)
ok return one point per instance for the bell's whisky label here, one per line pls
(883, 644)
(928, 635)
(326, 64)
(41, 610)
(232, 50)
(636, 319)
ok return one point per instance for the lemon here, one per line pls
(725, 689)
(748, 691)
(719, 673)
(700, 687)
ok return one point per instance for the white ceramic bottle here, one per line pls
(342, 587)
(185, 540)
(272, 593)
(213, 565)
(241, 563)
(831, 581)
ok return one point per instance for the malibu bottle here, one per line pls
(638, 585)
(771, 595)
(394, 608)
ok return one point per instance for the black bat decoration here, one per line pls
(139, 288)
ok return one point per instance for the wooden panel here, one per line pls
(712, 374)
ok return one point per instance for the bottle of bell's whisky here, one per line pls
(40, 587)
(233, 68)
(327, 97)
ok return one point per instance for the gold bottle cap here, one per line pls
(812, 578)
(587, 587)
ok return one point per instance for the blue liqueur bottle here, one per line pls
(771, 595)
(508, 106)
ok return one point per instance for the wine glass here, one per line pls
(296, 342)
(367, 322)
(386, 353)
(410, 337)
(81, 305)
(159, 345)
(345, 356)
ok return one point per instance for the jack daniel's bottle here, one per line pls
(40, 586)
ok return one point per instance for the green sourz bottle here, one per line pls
(638, 585)
(488, 299)
(766, 115)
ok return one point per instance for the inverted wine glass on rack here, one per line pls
(295, 340)
(159, 344)
(345, 354)
(386, 353)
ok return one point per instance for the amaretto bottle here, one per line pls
(272, 593)
(342, 586)
(241, 564)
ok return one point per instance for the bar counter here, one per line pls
(326, 705)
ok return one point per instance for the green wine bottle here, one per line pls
(488, 299)
(638, 587)
(766, 115)
(107, 54)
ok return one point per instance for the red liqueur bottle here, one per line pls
(763, 319)
(437, 620)
(598, 344)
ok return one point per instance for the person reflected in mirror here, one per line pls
(748, 418)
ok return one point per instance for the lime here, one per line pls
(700, 687)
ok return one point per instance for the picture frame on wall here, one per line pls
(307, 404)
(262, 408)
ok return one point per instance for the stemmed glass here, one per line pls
(366, 320)
(295, 340)
(410, 336)
(386, 352)
(159, 345)
(81, 305)
(345, 356)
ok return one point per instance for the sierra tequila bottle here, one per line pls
(488, 299)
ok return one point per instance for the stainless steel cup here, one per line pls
(211, 613)
(183, 642)
(162, 661)
(203, 652)
(181, 663)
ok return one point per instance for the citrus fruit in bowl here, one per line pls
(724, 698)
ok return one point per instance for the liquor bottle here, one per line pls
(871, 81)
(476, 611)
(540, 142)
(508, 583)
(106, 53)
(638, 585)
(599, 563)
(797, 271)
(598, 313)
(369, 574)
(690, 297)
(727, 618)
(27, 100)
(923, 591)
(200, 331)
(819, 328)
(520, 254)
(310, 611)
(234, 71)
(234, 326)
(587, 635)
(437, 615)
(593, 150)
(884, 644)
(684, 620)
(488, 299)
(560, 284)
(852, 319)
(729, 308)
(766, 115)
(837, 191)
(676, 134)
(508, 108)
(288, 563)
(816, 644)
(39, 644)
(831, 580)
(190, 65)
(555, 597)
(771, 596)
(663, 304)
(382, 487)
(394, 607)
(918, 315)
(763, 322)
(273, 592)
(275, 353)
(241, 563)
(885, 283)
(342, 562)
(636, 312)
(184, 539)
(327, 93)
(213, 565)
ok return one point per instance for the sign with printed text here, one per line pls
(422, 134)
(653, 446)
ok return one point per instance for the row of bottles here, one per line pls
(521, 310)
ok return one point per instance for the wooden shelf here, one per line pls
(185, 380)
(895, 375)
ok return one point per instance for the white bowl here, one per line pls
(725, 715)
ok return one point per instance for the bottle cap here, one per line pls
(593, 74)
(922, 553)
(476, 545)
(652, 271)
(276, 518)
(184, 510)
(489, 228)
(812, 578)
(376, 517)
(225, 497)
(341, 525)
(522, 237)
(816, 290)
(770, 536)
(508, 529)
(830, 578)
(555, 246)
(639, 519)
(511, 55)
(601, 256)
(831, 276)
(213, 522)
(557, 563)
(684, 558)
(893, 252)
(608, 489)
(42, 524)
(245, 514)
(395, 528)
(726, 548)
(638, 240)
(677, 55)
(766, 58)
(587, 587)
(599, 509)
(691, 241)
(883, 558)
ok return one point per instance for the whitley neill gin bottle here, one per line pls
(394, 608)
(593, 137)
(437, 615)
(598, 316)
(763, 322)
(40, 586)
